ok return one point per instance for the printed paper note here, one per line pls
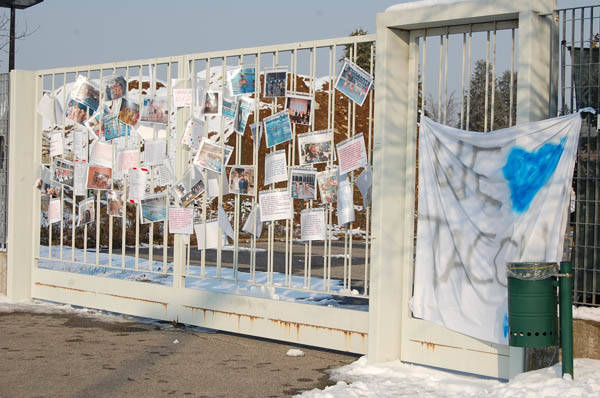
(275, 205)
(275, 167)
(312, 224)
(352, 154)
(181, 220)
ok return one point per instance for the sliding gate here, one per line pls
(270, 285)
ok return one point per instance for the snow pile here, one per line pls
(587, 313)
(295, 353)
(396, 379)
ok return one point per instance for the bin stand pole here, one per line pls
(566, 316)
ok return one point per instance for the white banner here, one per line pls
(486, 199)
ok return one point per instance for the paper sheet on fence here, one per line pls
(486, 199)
(212, 234)
(181, 220)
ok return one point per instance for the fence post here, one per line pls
(23, 198)
(393, 194)
(533, 96)
(179, 252)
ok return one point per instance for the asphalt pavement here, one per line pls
(68, 355)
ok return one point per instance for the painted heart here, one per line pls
(527, 172)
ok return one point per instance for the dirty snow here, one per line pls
(396, 379)
(295, 353)
(587, 313)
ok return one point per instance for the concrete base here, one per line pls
(3, 269)
(586, 339)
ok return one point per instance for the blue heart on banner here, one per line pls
(527, 172)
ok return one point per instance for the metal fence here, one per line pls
(576, 62)
(4, 100)
(276, 265)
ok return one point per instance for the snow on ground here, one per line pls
(587, 313)
(125, 269)
(396, 379)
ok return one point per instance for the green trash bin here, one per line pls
(532, 304)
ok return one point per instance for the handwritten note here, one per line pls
(181, 220)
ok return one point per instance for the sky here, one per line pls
(76, 32)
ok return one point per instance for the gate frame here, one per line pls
(332, 328)
(393, 332)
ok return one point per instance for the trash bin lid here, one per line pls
(531, 270)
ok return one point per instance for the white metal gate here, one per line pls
(257, 286)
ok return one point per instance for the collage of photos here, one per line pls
(275, 83)
(154, 208)
(115, 87)
(303, 183)
(129, 112)
(242, 111)
(299, 106)
(63, 172)
(278, 129)
(99, 178)
(241, 81)
(154, 110)
(85, 93)
(124, 147)
(354, 82)
(211, 156)
(86, 212)
(212, 103)
(315, 147)
(241, 180)
(115, 203)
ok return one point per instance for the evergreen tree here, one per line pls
(363, 51)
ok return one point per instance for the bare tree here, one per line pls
(5, 32)
(448, 113)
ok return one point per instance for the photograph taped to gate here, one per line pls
(354, 82)
(129, 112)
(115, 87)
(241, 180)
(303, 183)
(299, 107)
(154, 208)
(275, 82)
(278, 129)
(86, 212)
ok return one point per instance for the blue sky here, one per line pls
(83, 32)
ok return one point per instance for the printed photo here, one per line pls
(211, 156)
(275, 83)
(46, 183)
(84, 92)
(86, 211)
(94, 124)
(129, 112)
(154, 208)
(229, 107)
(99, 177)
(315, 147)
(114, 128)
(115, 87)
(278, 129)
(155, 110)
(242, 111)
(241, 180)
(63, 172)
(115, 203)
(212, 103)
(328, 183)
(190, 186)
(241, 81)
(77, 112)
(298, 107)
(303, 183)
(354, 82)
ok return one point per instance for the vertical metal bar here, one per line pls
(172, 109)
(222, 145)
(512, 78)
(440, 81)
(571, 108)
(493, 80)
(445, 102)
(424, 75)
(469, 75)
(124, 218)
(462, 83)
(584, 173)
(370, 160)
(563, 75)
(487, 82)
(236, 214)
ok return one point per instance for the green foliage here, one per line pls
(477, 92)
(363, 51)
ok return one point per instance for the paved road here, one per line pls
(74, 356)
